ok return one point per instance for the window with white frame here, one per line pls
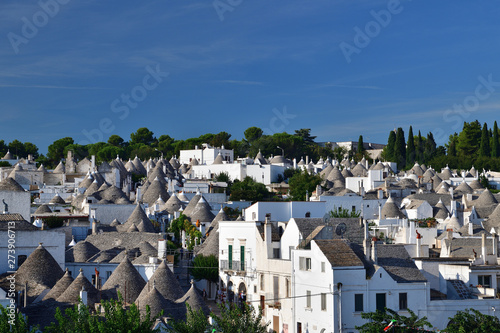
(308, 299)
(323, 302)
(262, 282)
(323, 267)
(304, 264)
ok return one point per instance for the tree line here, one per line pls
(144, 144)
(475, 145)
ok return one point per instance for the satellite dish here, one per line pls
(326, 218)
(341, 229)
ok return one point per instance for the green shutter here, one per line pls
(230, 256)
(242, 257)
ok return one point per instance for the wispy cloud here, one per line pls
(245, 83)
(49, 87)
(334, 85)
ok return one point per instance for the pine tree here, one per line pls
(495, 146)
(410, 149)
(484, 148)
(400, 149)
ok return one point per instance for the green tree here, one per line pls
(220, 139)
(410, 149)
(116, 140)
(388, 151)
(380, 319)
(16, 148)
(252, 133)
(484, 147)
(249, 190)
(205, 268)
(234, 319)
(3, 148)
(340, 212)
(495, 144)
(469, 139)
(400, 149)
(472, 321)
(142, 135)
(420, 148)
(196, 322)
(305, 133)
(451, 146)
(303, 182)
(14, 323)
(56, 149)
(30, 148)
(117, 318)
(430, 148)
(182, 223)
(79, 151)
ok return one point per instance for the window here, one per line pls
(323, 302)
(353, 208)
(484, 280)
(322, 267)
(276, 253)
(108, 274)
(254, 216)
(287, 285)
(380, 301)
(262, 282)
(21, 259)
(403, 301)
(276, 288)
(308, 298)
(230, 259)
(358, 302)
(308, 214)
(304, 264)
(242, 258)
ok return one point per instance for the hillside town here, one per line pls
(369, 237)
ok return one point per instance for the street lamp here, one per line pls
(282, 151)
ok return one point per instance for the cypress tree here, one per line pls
(484, 148)
(419, 149)
(430, 148)
(400, 149)
(389, 149)
(361, 147)
(495, 146)
(410, 149)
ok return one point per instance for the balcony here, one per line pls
(226, 265)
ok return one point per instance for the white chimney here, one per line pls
(483, 248)
(162, 248)
(83, 297)
(419, 245)
(366, 242)
(471, 228)
(380, 194)
(374, 252)
(495, 244)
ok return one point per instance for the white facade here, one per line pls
(265, 174)
(206, 154)
(284, 211)
(369, 209)
(18, 202)
(374, 179)
(26, 242)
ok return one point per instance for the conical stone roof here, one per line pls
(165, 282)
(43, 209)
(139, 166)
(195, 300)
(154, 191)
(72, 294)
(202, 212)
(218, 159)
(359, 170)
(39, 268)
(115, 195)
(93, 188)
(476, 185)
(192, 204)
(485, 199)
(173, 204)
(391, 210)
(446, 174)
(137, 217)
(126, 280)
(83, 251)
(464, 188)
(57, 200)
(347, 173)
(9, 184)
(444, 188)
(60, 168)
(440, 211)
(59, 287)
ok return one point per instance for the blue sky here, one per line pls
(278, 65)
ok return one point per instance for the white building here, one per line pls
(206, 154)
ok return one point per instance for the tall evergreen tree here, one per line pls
(388, 152)
(419, 149)
(430, 148)
(400, 149)
(361, 147)
(484, 148)
(495, 146)
(410, 149)
(469, 140)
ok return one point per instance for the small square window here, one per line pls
(308, 299)
(323, 302)
(358, 302)
(322, 267)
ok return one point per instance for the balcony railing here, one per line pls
(226, 265)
